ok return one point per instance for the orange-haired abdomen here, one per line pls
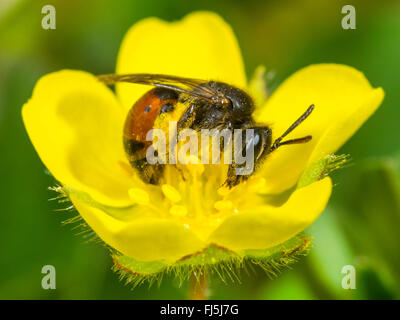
(141, 118)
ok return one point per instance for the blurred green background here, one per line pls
(361, 225)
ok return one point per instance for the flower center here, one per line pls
(194, 195)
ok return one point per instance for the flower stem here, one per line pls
(198, 286)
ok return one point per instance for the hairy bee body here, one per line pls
(207, 105)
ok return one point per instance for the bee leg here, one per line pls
(187, 117)
(180, 171)
(234, 179)
(149, 173)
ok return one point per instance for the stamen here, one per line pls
(171, 193)
(223, 205)
(138, 195)
(178, 210)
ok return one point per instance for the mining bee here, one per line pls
(208, 105)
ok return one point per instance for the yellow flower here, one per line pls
(75, 123)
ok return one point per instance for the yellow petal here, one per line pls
(144, 238)
(139, 196)
(75, 124)
(343, 100)
(266, 226)
(201, 45)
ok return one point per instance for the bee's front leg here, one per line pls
(233, 178)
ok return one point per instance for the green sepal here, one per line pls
(322, 168)
(141, 268)
(215, 260)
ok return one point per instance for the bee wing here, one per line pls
(194, 87)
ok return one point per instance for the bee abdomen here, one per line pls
(139, 122)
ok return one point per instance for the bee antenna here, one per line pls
(277, 143)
